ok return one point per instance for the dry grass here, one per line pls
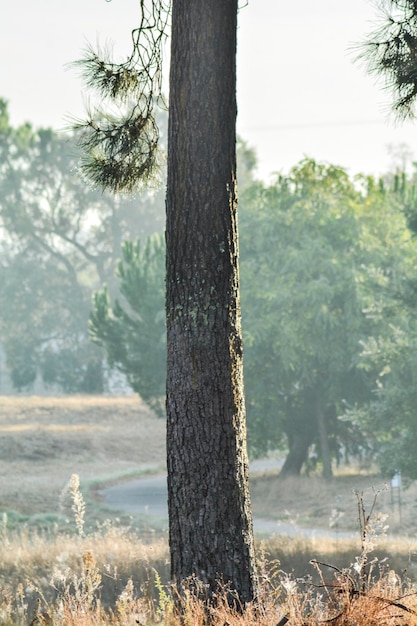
(314, 503)
(43, 563)
(44, 440)
(107, 574)
(111, 578)
(387, 602)
(295, 553)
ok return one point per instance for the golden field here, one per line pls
(68, 561)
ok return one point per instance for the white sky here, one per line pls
(299, 91)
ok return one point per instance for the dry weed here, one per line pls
(111, 579)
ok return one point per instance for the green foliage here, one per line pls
(120, 153)
(43, 325)
(328, 301)
(388, 352)
(132, 332)
(315, 279)
(120, 141)
(391, 417)
(60, 241)
(299, 302)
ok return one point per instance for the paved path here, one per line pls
(148, 497)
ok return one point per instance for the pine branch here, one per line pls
(391, 52)
(120, 141)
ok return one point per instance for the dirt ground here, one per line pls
(44, 440)
(315, 503)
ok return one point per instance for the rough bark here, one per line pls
(210, 529)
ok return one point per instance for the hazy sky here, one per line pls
(299, 91)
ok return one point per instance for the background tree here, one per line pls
(389, 354)
(302, 313)
(60, 241)
(33, 292)
(133, 331)
(318, 283)
(391, 53)
(246, 163)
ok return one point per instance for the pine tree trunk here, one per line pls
(210, 529)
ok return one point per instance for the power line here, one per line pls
(308, 125)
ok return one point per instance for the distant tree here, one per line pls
(389, 354)
(43, 326)
(60, 241)
(302, 315)
(391, 52)
(314, 276)
(246, 163)
(133, 332)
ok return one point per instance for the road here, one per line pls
(148, 497)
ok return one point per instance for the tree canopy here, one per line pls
(319, 283)
(60, 240)
(328, 300)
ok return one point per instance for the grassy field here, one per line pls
(111, 574)
(43, 441)
(314, 503)
(111, 577)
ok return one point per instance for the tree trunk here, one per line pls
(300, 429)
(210, 527)
(300, 442)
(324, 441)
